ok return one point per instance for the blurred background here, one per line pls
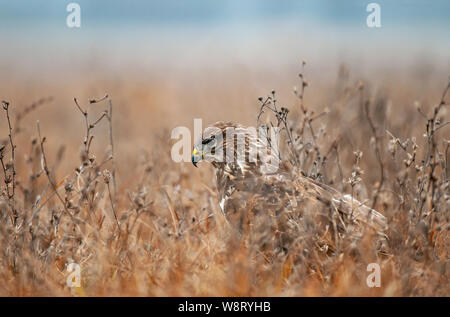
(167, 62)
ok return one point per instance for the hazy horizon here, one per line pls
(170, 35)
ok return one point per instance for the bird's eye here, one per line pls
(206, 141)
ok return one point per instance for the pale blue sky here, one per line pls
(413, 14)
(191, 32)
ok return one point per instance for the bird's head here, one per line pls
(238, 147)
(211, 146)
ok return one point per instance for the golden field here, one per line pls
(139, 224)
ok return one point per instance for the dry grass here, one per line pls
(141, 225)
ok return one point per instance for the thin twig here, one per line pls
(111, 143)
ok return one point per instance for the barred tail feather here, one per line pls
(346, 204)
(362, 212)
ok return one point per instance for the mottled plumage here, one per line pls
(266, 188)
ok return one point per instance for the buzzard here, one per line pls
(257, 190)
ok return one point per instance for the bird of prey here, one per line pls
(260, 189)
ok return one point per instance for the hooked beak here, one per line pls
(195, 157)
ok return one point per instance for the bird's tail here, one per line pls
(354, 210)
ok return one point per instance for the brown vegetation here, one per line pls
(139, 224)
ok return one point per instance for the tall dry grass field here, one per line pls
(91, 181)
